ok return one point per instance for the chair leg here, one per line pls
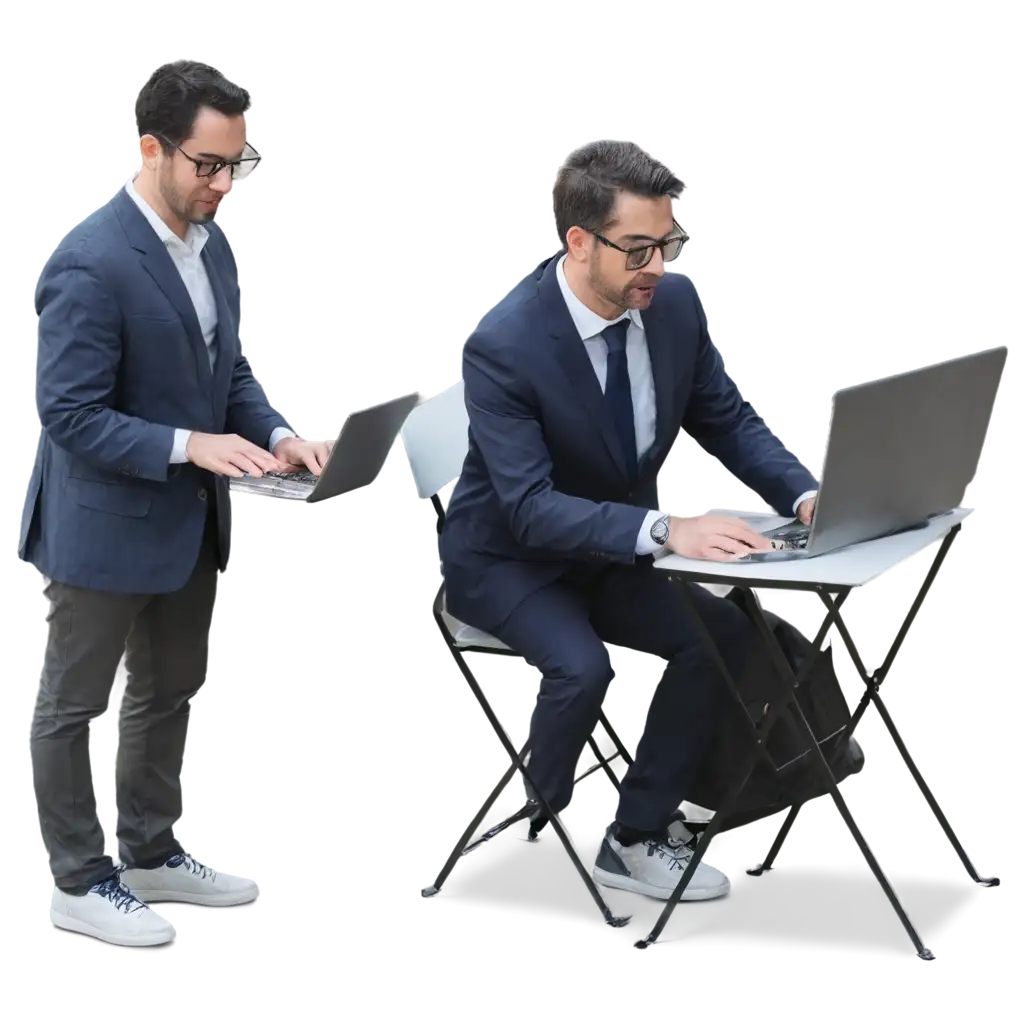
(498, 819)
(777, 845)
(473, 842)
(588, 881)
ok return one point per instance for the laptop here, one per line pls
(355, 460)
(901, 452)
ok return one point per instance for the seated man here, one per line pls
(577, 384)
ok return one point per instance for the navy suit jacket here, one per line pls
(121, 363)
(544, 482)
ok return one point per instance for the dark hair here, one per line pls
(169, 102)
(593, 175)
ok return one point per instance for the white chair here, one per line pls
(436, 438)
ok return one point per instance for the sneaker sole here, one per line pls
(232, 899)
(72, 924)
(689, 895)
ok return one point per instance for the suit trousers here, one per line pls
(164, 641)
(562, 629)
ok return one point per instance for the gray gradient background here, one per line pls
(323, 732)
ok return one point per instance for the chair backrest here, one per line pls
(436, 439)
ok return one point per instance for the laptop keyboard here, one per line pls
(303, 476)
(789, 537)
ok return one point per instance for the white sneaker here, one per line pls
(653, 867)
(111, 912)
(184, 880)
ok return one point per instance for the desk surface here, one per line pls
(852, 566)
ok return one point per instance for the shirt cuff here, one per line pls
(803, 497)
(645, 543)
(178, 448)
(279, 435)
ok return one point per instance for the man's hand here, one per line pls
(296, 453)
(230, 455)
(805, 513)
(717, 538)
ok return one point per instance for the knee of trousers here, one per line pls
(52, 719)
(736, 640)
(580, 683)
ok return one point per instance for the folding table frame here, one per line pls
(833, 597)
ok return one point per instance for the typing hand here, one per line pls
(715, 538)
(229, 455)
(805, 513)
(296, 453)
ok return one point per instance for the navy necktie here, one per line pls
(617, 392)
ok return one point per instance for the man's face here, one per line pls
(636, 221)
(215, 137)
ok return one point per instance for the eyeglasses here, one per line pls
(638, 257)
(240, 168)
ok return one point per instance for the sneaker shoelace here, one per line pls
(192, 866)
(675, 851)
(114, 890)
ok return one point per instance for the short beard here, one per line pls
(178, 206)
(596, 284)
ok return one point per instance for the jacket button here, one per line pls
(202, 494)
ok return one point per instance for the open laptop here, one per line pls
(901, 451)
(357, 457)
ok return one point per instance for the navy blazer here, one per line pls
(121, 364)
(545, 482)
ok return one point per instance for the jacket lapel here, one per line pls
(574, 362)
(227, 332)
(157, 262)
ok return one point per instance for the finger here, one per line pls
(729, 545)
(224, 468)
(267, 462)
(264, 459)
(246, 465)
(734, 527)
(716, 554)
(309, 457)
(744, 535)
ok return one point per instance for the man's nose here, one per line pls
(221, 181)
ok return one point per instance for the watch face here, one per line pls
(659, 531)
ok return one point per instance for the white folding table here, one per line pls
(833, 581)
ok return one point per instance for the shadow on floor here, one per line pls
(841, 913)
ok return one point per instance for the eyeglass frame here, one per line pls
(682, 238)
(219, 165)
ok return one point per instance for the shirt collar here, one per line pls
(587, 322)
(195, 237)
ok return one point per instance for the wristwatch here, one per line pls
(659, 530)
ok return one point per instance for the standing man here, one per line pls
(147, 404)
(577, 384)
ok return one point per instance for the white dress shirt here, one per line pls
(187, 257)
(641, 383)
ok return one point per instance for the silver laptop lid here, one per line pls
(362, 447)
(903, 449)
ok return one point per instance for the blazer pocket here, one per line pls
(112, 498)
(143, 318)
